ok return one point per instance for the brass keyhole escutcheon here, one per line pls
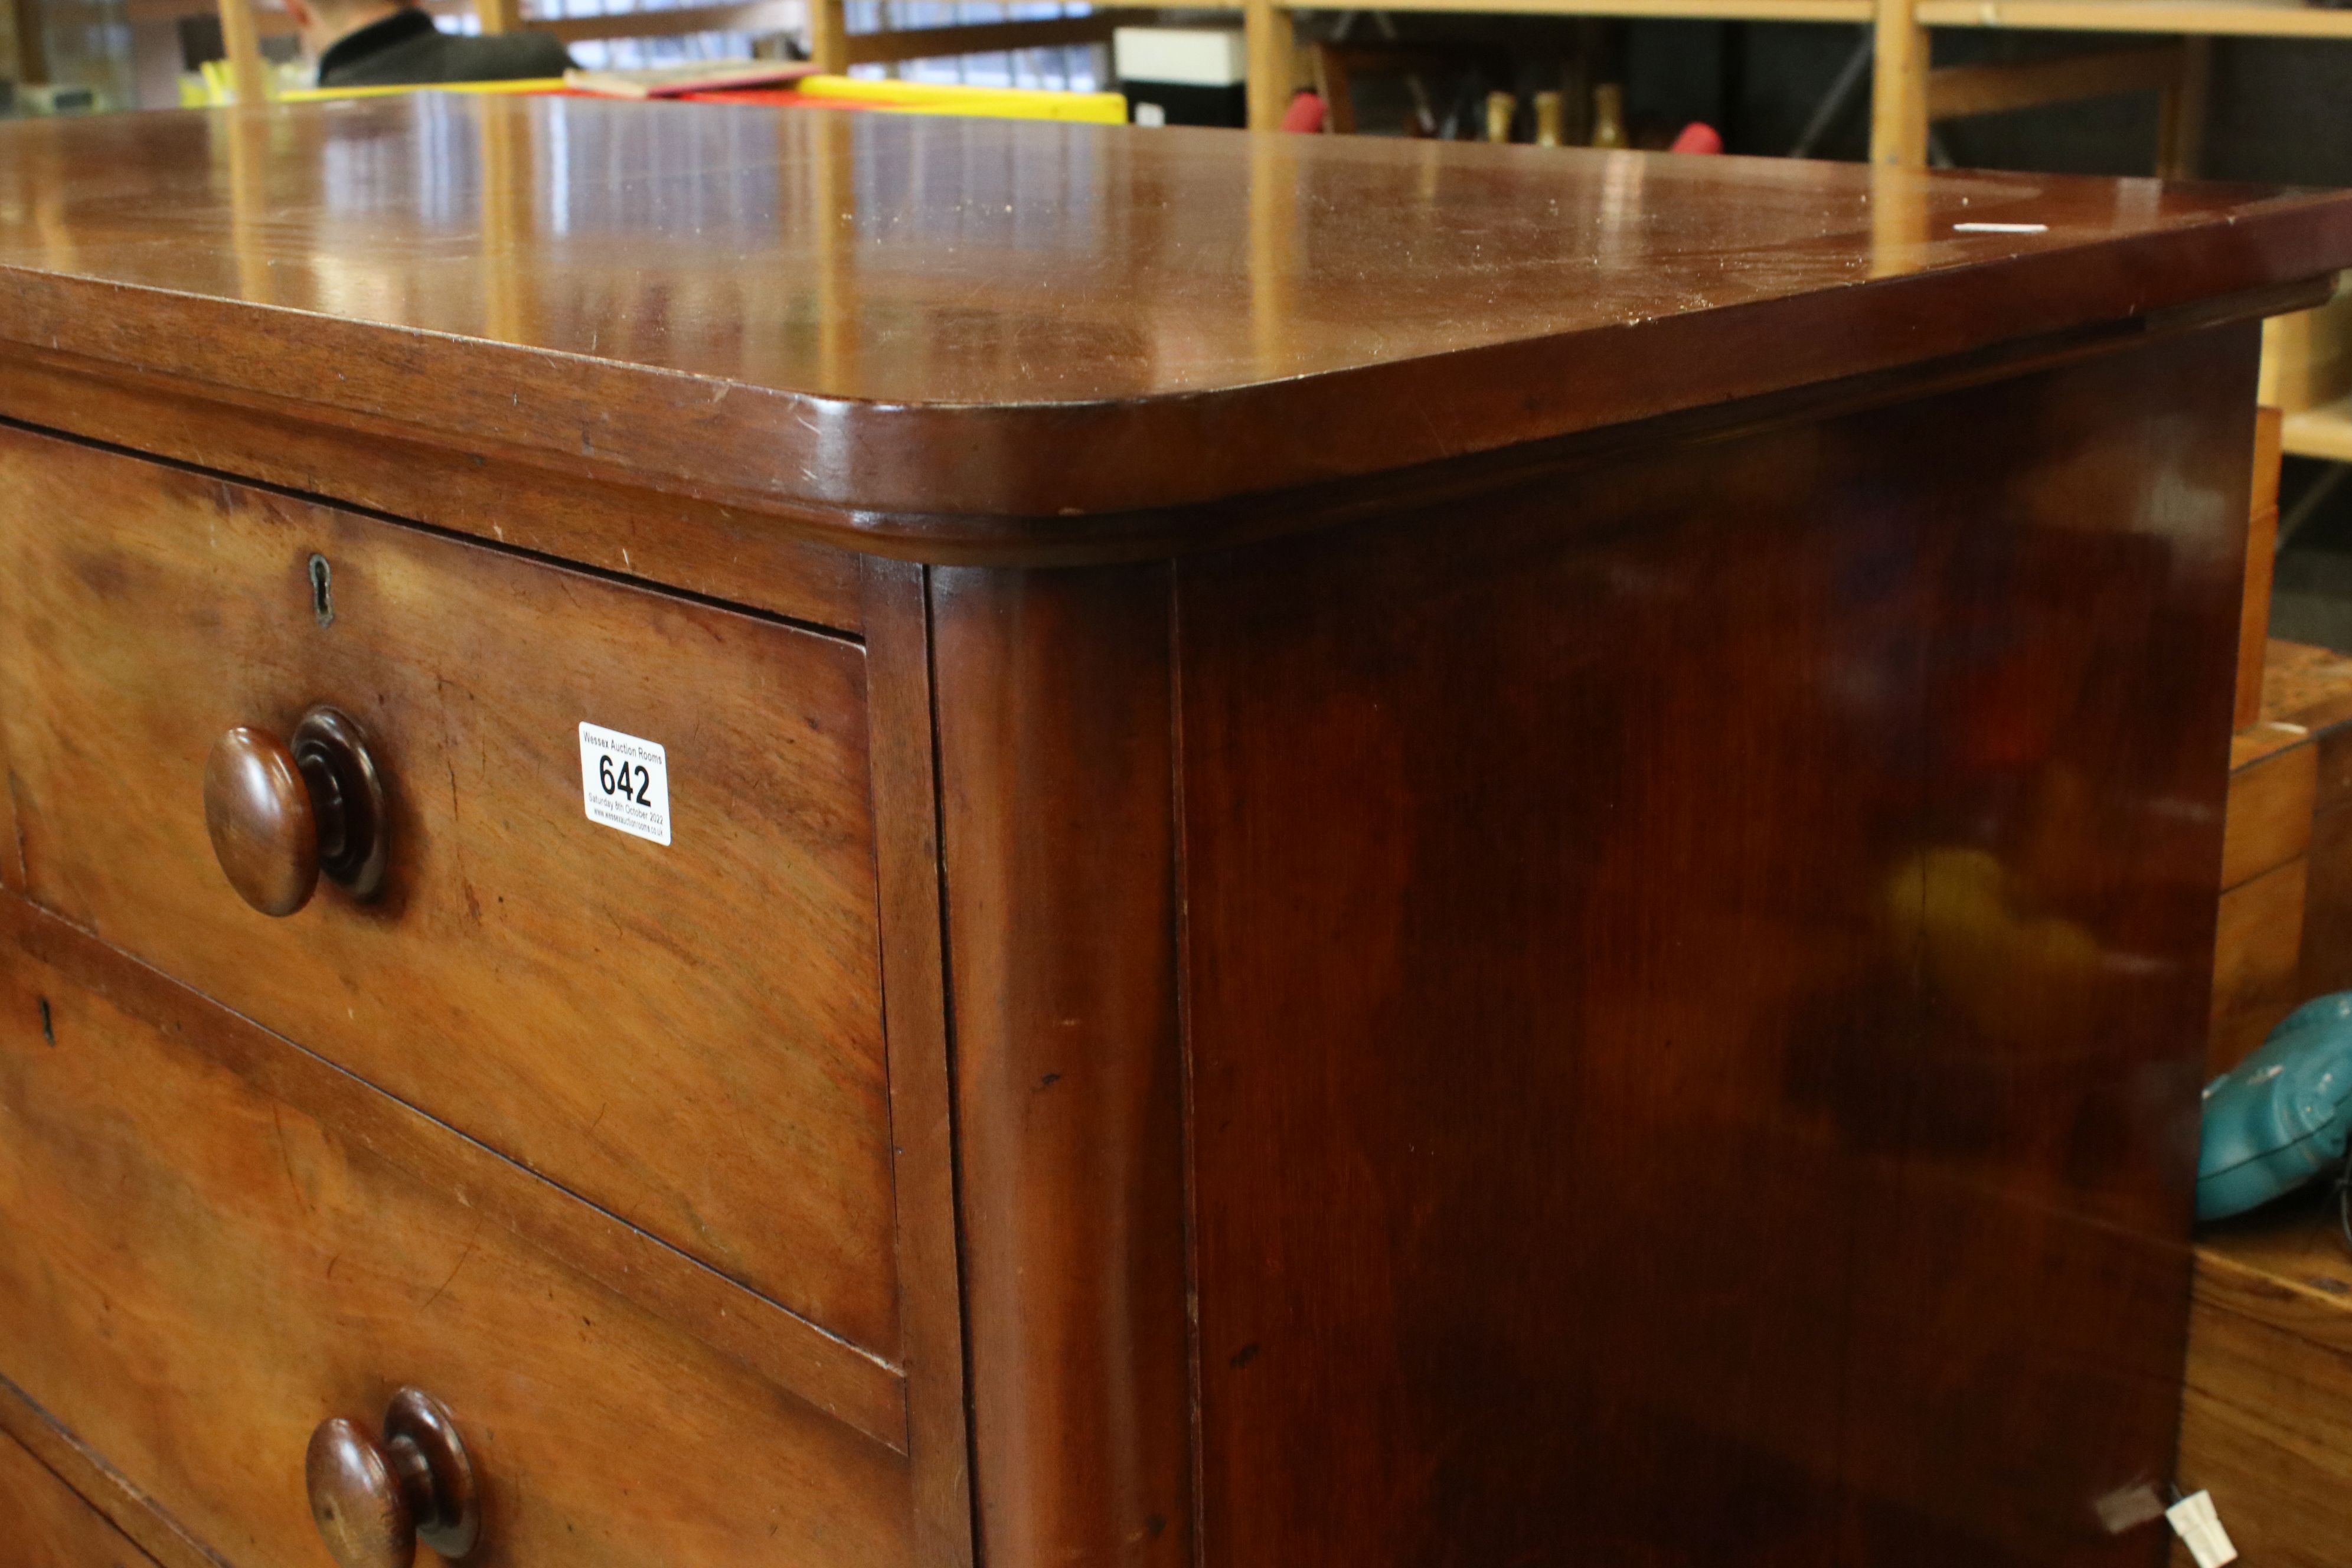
(322, 591)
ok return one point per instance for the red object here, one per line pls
(1305, 113)
(779, 98)
(1698, 136)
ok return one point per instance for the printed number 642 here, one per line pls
(617, 779)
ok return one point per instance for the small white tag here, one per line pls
(2000, 228)
(2199, 1525)
(624, 782)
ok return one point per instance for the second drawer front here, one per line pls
(688, 1035)
(194, 1276)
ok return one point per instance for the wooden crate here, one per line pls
(2266, 1411)
(2286, 927)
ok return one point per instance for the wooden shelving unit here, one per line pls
(2322, 432)
(2307, 371)
(835, 48)
(1272, 68)
(2184, 19)
(1848, 11)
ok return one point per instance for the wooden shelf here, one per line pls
(1695, 10)
(2322, 432)
(2241, 18)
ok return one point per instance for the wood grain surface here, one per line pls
(687, 1035)
(12, 844)
(951, 316)
(896, 613)
(201, 1275)
(1697, 992)
(1057, 821)
(2269, 830)
(2257, 944)
(2262, 562)
(130, 1511)
(2266, 1411)
(2268, 817)
(2326, 960)
(799, 561)
(761, 1337)
(683, 541)
(48, 1525)
(2307, 692)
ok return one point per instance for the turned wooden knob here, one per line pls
(282, 812)
(373, 1502)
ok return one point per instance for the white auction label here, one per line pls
(624, 782)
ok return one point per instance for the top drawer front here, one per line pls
(688, 1035)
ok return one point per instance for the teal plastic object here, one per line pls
(2279, 1116)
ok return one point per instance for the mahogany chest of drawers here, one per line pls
(744, 837)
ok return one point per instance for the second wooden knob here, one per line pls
(374, 1500)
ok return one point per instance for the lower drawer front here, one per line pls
(192, 1276)
(48, 1526)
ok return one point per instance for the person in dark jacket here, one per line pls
(380, 43)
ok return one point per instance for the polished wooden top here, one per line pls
(900, 315)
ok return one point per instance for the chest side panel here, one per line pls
(1697, 988)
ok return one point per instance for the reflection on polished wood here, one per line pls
(1730, 1090)
(1898, 221)
(994, 334)
(510, 198)
(1274, 251)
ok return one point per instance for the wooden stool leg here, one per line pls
(1335, 82)
(32, 44)
(241, 40)
(2180, 133)
(1272, 63)
(1899, 89)
(828, 37)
